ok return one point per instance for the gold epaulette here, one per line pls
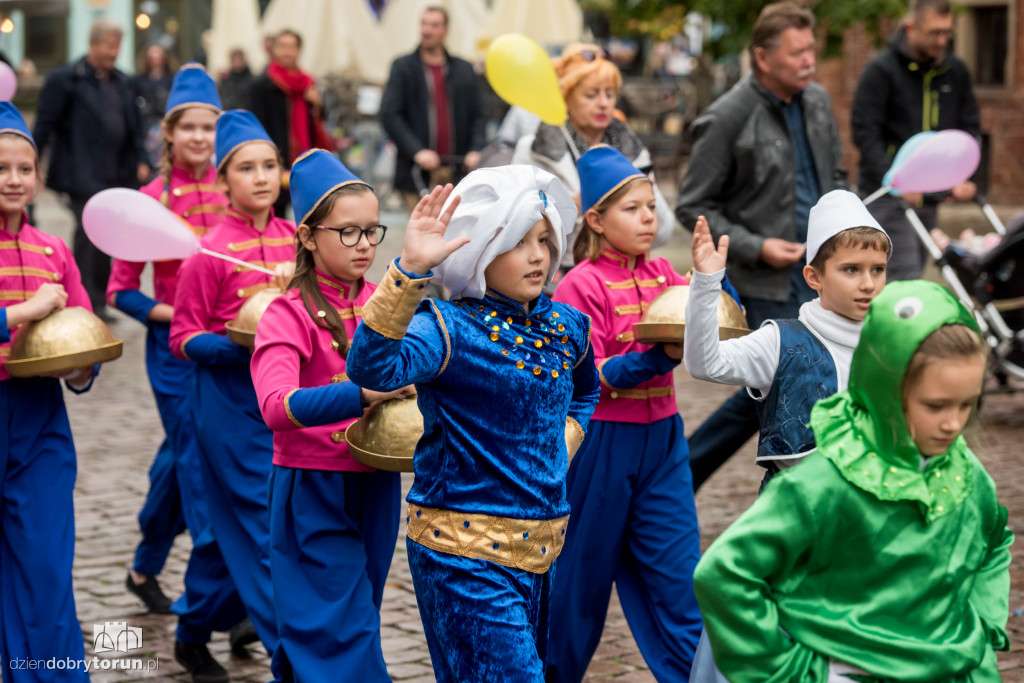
(391, 308)
(528, 544)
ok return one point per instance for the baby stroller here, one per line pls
(990, 285)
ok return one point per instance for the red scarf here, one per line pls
(294, 83)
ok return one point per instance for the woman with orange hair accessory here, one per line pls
(590, 84)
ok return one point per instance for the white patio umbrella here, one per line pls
(549, 22)
(235, 24)
(339, 37)
(400, 24)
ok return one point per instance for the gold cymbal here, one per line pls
(386, 437)
(242, 330)
(64, 340)
(665, 320)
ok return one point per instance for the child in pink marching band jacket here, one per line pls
(38, 275)
(333, 520)
(187, 186)
(634, 522)
(234, 447)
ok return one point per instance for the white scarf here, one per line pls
(839, 333)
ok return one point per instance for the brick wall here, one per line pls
(1002, 110)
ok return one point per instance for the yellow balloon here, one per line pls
(521, 73)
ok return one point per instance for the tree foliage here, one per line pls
(661, 19)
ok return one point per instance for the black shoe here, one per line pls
(243, 633)
(198, 661)
(150, 593)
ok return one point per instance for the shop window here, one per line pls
(984, 41)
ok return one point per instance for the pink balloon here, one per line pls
(132, 226)
(8, 82)
(941, 162)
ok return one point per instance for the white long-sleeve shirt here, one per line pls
(751, 361)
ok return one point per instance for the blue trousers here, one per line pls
(728, 428)
(162, 518)
(332, 537)
(484, 622)
(634, 524)
(37, 532)
(234, 453)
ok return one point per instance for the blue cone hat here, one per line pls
(315, 175)
(192, 87)
(11, 121)
(235, 128)
(603, 170)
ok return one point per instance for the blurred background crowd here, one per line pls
(676, 57)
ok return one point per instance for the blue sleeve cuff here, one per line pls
(135, 303)
(325, 405)
(5, 334)
(731, 291)
(414, 276)
(630, 369)
(212, 349)
(586, 390)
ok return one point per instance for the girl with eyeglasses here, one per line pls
(333, 520)
(234, 446)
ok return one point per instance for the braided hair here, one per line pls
(167, 155)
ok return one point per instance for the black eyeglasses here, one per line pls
(591, 55)
(351, 234)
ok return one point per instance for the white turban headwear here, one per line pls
(498, 207)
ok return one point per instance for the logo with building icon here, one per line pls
(116, 636)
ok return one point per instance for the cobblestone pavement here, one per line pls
(117, 431)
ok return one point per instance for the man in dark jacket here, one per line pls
(87, 111)
(433, 111)
(762, 155)
(916, 84)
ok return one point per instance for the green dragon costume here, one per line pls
(867, 553)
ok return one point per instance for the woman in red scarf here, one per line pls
(285, 100)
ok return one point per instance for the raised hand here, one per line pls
(707, 258)
(425, 246)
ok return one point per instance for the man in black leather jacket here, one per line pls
(762, 155)
(916, 84)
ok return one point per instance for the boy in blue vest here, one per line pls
(789, 365)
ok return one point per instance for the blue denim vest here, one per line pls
(806, 374)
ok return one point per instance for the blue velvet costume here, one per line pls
(504, 394)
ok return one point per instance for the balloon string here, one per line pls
(232, 259)
(877, 193)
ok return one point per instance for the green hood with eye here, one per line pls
(862, 429)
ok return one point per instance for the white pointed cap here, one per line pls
(837, 211)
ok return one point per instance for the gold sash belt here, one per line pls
(528, 544)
